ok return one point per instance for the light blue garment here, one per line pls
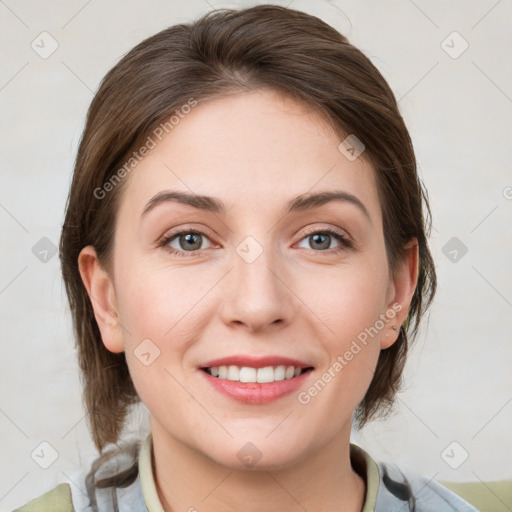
(129, 499)
(403, 492)
(420, 493)
(388, 489)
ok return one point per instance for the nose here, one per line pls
(257, 295)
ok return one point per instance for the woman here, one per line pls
(244, 251)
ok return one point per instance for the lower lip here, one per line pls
(254, 392)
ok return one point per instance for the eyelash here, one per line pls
(344, 241)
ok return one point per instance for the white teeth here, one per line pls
(233, 373)
(265, 374)
(260, 375)
(279, 372)
(247, 374)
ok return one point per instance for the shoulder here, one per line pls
(67, 498)
(389, 487)
(399, 487)
(57, 500)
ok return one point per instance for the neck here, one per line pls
(322, 481)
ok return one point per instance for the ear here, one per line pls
(100, 289)
(402, 285)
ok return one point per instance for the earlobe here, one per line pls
(101, 293)
(401, 290)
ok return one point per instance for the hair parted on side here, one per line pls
(223, 52)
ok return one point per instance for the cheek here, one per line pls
(160, 320)
(349, 299)
(160, 304)
(163, 315)
(351, 305)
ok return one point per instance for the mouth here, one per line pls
(256, 380)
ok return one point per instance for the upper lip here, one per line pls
(255, 362)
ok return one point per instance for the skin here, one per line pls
(297, 299)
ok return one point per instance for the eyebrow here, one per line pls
(300, 203)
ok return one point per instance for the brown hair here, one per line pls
(225, 51)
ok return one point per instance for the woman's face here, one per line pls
(267, 278)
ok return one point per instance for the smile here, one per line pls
(251, 380)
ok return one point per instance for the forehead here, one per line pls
(249, 149)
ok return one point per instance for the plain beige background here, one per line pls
(457, 102)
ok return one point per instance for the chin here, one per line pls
(259, 454)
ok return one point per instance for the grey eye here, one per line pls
(189, 241)
(319, 241)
